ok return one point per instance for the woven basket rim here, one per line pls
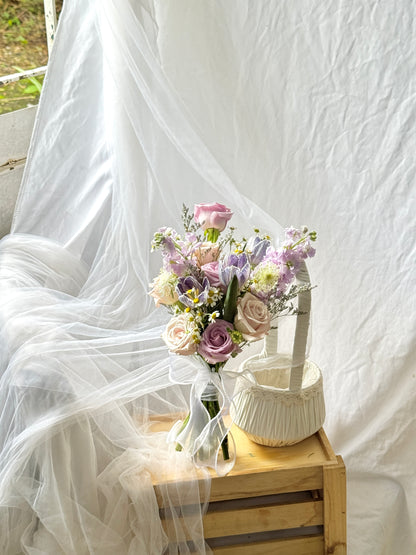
(309, 364)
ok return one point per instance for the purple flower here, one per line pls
(216, 344)
(176, 253)
(257, 248)
(192, 292)
(175, 264)
(234, 265)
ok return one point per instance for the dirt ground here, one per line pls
(22, 46)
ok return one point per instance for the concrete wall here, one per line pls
(15, 132)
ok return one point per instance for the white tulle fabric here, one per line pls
(84, 369)
(306, 107)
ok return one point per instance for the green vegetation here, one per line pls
(22, 46)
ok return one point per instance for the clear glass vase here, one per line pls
(209, 399)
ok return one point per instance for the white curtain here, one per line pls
(301, 110)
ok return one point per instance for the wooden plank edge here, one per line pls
(335, 508)
(263, 519)
(252, 520)
(254, 485)
(307, 545)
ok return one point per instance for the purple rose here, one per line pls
(216, 344)
(211, 272)
(234, 265)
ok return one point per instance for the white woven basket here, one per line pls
(285, 404)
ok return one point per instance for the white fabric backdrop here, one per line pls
(308, 109)
(322, 132)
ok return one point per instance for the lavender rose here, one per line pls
(178, 335)
(252, 318)
(216, 344)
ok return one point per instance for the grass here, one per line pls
(22, 45)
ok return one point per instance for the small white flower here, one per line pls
(214, 295)
(213, 316)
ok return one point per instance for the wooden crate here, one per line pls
(286, 500)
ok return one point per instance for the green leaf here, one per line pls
(35, 82)
(230, 304)
(30, 89)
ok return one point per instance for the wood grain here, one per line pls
(335, 530)
(308, 545)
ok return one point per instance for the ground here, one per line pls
(22, 46)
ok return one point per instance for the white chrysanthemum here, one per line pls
(265, 277)
(164, 288)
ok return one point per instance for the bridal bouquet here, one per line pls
(223, 292)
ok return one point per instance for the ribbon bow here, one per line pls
(202, 436)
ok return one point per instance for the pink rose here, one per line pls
(216, 344)
(252, 318)
(178, 335)
(206, 252)
(211, 272)
(212, 215)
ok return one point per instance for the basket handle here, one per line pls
(301, 331)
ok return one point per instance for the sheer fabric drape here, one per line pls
(306, 108)
(84, 370)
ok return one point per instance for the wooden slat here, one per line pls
(255, 519)
(263, 470)
(326, 446)
(267, 483)
(335, 529)
(309, 545)
(50, 22)
(263, 519)
(252, 485)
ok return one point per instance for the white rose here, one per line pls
(178, 335)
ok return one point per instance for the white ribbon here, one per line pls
(202, 436)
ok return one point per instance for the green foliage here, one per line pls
(23, 44)
(36, 85)
(230, 304)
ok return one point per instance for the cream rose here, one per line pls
(178, 335)
(163, 289)
(207, 252)
(252, 318)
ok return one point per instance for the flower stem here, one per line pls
(212, 234)
(213, 408)
(184, 423)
